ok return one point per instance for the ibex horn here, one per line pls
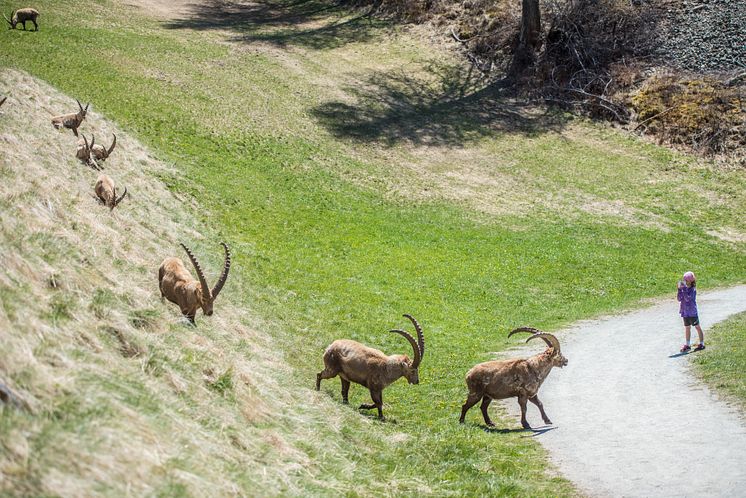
(113, 144)
(223, 276)
(415, 347)
(549, 339)
(200, 273)
(3, 101)
(79, 104)
(9, 21)
(420, 335)
(116, 202)
(529, 330)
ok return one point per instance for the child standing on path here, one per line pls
(687, 296)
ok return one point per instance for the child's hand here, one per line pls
(681, 284)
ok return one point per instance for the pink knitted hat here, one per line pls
(689, 277)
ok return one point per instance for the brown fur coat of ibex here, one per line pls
(520, 378)
(101, 153)
(178, 286)
(71, 121)
(106, 192)
(21, 16)
(84, 152)
(371, 368)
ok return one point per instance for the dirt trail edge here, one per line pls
(630, 420)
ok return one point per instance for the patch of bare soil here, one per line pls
(162, 9)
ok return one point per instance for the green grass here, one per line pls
(320, 255)
(724, 362)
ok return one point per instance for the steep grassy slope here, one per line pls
(359, 173)
(125, 397)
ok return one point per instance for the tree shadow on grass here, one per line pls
(317, 24)
(454, 107)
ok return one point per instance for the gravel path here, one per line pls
(630, 420)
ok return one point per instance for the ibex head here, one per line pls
(558, 360)
(85, 154)
(411, 367)
(12, 21)
(82, 110)
(205, 296)
(115, 201)
(101, 153)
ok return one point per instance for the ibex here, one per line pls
(107, 192)
(101, 153)
(519, 378)
(85, 150)
(355, 362)
(21, 16)
(71, 121)
(178, 286)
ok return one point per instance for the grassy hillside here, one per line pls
(723, 365)
(359, 172)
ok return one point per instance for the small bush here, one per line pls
(702, 113)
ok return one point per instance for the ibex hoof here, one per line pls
(526, 425)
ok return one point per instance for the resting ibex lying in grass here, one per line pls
(21, 16)
(519, 378)
(107, 192)
(101, 153)
(85, 150)
(71, 121)
(355, 362)
(178, 286)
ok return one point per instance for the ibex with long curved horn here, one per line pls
(178, 286)
(21, 16)
(371, 368)
(71, 121)
(84, 151)
(101, 153)
(519, 378)
(107, 192)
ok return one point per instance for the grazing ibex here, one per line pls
(355, 362)
(101, 153)
(21, 16)
(85, 150)
(519, 378)
(107, 192)
(71, 121)
(178, 286)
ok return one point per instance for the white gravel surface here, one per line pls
(630, 419)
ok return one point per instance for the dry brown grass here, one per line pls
(126, 399)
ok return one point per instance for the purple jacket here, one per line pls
(688, 298)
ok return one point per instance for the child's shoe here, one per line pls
(699, 347)
(685, 348)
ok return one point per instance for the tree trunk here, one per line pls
(530, 39)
